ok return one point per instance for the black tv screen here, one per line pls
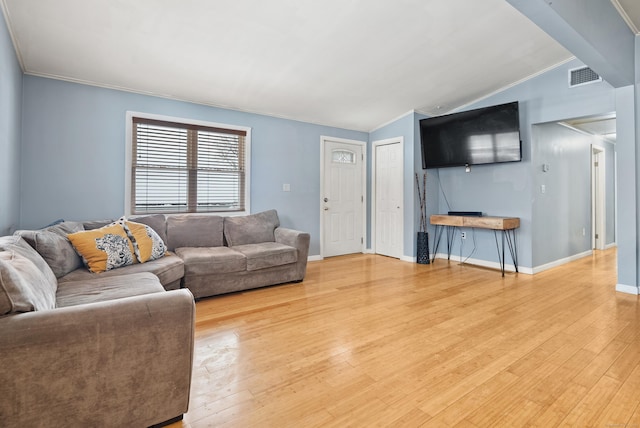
(482, 136)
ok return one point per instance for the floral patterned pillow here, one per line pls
(105, 248)
(147, 244)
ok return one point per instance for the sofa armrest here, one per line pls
(300, 241)
(294, 238)
(123, 362)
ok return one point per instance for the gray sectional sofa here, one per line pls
(240, 253)
(212, 255)
(112, 351)
(115, 348)
(208, 254)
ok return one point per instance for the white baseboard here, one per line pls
(561, 262)
(629, 289)
(613, 244)
(318, 257)
(485, 263)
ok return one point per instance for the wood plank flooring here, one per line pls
(367, 340)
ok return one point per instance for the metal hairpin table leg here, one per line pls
(451, 234)
(436, 243)
(513, 246)
(500, 251)
(513, 249)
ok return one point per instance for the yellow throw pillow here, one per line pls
(147, 244)
(103, 249)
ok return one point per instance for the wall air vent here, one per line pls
(583, 76)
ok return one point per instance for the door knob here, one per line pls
(326, 208)
(326, 199)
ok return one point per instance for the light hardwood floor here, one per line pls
(368, 340)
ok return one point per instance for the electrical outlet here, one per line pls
(463, 235)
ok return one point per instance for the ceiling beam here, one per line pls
(592, 30)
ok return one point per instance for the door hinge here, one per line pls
(362, 240)
(362, 199)
(597, 237)
(595, 164)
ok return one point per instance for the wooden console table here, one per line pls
(507, 225)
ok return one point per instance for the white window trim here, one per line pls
(129, 148)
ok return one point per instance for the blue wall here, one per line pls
(566, 203)
(10, 120)
(567, 197)
(407, 127)
(599, 37)
(402, 127)
(63, 148)
(626, 212)
(73, 148)
(508, 189)
(73, 155)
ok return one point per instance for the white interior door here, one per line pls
(388, 199)
(343, 198)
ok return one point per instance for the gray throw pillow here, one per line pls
(96, 224)
(26, 281)
(194, 230)
(251, 229)
(23, 288)
(157, 222)
(54, 247)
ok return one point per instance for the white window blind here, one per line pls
(186, 168)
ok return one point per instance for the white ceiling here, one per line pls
(630, 11)
(355, 64)
(604, 126)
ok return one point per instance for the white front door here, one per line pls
(388, 199)
(343, 198)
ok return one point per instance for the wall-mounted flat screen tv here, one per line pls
(482, 136)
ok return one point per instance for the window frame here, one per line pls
(128, 208)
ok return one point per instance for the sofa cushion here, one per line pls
(54, 246)
(267, 254)
(102, 288)
(103, 249)
(23, 286)
(96, 224)
(157, 222)
(18, 245)
(168, 269)
(251, 229)
(194, 230)
(211, 260)
(147, 244)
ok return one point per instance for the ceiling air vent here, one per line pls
(583, 76)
